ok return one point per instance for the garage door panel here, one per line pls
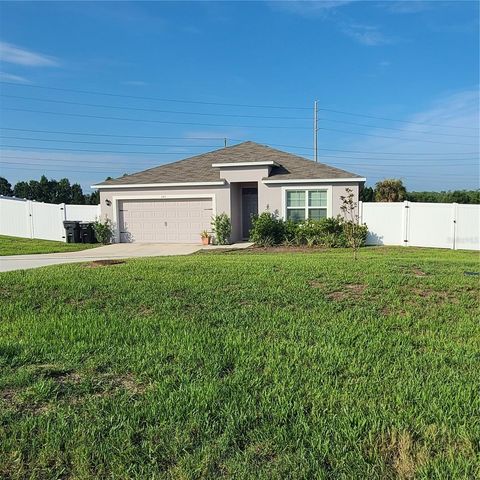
(172, 221)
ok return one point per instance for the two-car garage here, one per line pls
(164, 220)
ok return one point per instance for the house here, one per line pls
(173, 203)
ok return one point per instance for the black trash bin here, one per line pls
(87, 234)
(72, 231)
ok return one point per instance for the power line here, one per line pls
(90, 92)
(108, 143)
(49, 100)
(342, 157)
(133, 144)
(232, 139)
(163, 122)
(395, 119)
(110, 134)
(397, 138)
(342, 112)
(226, 125)
(97, 151)
(117, 166)
(96, 105)
(379, 172)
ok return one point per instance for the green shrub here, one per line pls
(290, 230)
(222, 227)
(327, 232)
(103, 230)
(267, 229)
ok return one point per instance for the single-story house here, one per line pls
(174, 202)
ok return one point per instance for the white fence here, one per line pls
(24, 218)
(441, 225)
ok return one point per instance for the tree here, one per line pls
(390, 190)
(367, 194)
(22, 190)
(77, 197)
(62, 192)
(5, 187)
(355, 233)
(93, 198)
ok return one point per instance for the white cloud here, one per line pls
(20, 56)
(424, 164)
(135, 83)
(310, 7)
(366, 34)
(8, 77)
(410, 6)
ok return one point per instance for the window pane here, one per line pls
(317, 198)
(296, 214)
(317, 213)
(295, 198)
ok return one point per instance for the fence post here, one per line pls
(63, 217)
(454, 225)
(405, 223)
(360, 212)
(29, 210)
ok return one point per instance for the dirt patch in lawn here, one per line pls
(68, 388)
(418, 272)
(103, 263)
(351, 291)
(403, 454)
(314, 283)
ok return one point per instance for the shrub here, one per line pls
(222, 227)
(103, 230)
(327, 232)
(309, 233)
(290, 230)
(267, 229)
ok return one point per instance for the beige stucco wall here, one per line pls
(228, 197)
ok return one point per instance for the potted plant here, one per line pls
(205, 236)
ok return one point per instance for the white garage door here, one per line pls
(167, 221)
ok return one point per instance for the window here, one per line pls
(306, 204)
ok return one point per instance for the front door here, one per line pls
(249, 208)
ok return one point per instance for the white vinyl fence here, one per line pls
(441, 225)
(28, 219)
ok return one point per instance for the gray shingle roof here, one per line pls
(199, 168)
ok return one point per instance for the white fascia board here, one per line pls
(161, 185)
(266, 163)
(316, 180)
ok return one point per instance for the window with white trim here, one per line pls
(306, 204)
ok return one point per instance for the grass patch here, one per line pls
(243, 365)
(27, 246)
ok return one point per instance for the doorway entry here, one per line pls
(249, 208)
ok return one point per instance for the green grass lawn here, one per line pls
(243, 365)
(27, 246)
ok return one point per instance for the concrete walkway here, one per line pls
(108, 252)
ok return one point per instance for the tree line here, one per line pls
(49, 191)
(393, 190)
(62, 191)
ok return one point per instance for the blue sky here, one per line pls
(397, 85)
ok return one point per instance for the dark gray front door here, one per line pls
(249, 208)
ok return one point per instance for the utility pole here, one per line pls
(315, 132)
(225, 143)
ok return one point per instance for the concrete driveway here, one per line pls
(108, 252)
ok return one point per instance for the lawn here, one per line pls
(27, 246)
(243, 365)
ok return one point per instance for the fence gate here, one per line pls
(441, 225)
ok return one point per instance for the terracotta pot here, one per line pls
(205, 240)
